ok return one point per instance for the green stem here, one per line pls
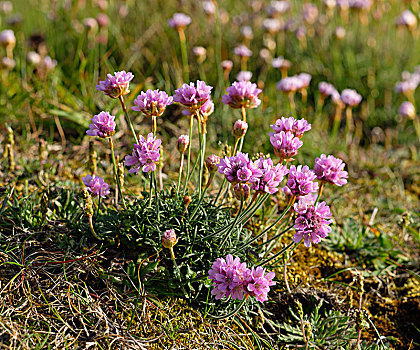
(115, 172)
(278, 254)
(150, 190)
(181, 164)
(220, 191)
(184, 55)
(124, 108)
(92, 229)
(233, 225)
(268, 228)
(189, 153)
(230, 313)
(200, 142)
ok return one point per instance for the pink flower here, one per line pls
(258, 283)
(350, 97)
(179, 21)
(192, 96)
(312, 222)
(330, 169)
(116, 85)
(152, 102)
(242, 51)
(271, 176)
(242, 94)
(239, 169)
(301, 180)
(297, 127)
(285, 144)
(96, 185)
(169, 239)
(145, 155)
(103, 125)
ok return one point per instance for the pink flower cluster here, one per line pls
(350, 97)
(96, 185)
(145, 155)
(301, 181)
(179, 21)
(297, 127)
(242, 94)
(330, 169)
(152, 102)
(294, 83)
(116, 85)
(233, 278)
(103, 125)
(271, 176)
(312, 221)
(239, 169)
(193, 96)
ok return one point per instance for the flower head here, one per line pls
(244, 75)
(146, 155)
(103, 125)
(326, 89)
(242, 94)
(330, 169)
(152, 102)
(211, 162)
(116, 85)
(407, 110)
(277, 8)
(239, 129)
(281, 63)
(289, 84)
(227, 65)
(271, 176)
(96, 185)
(407, 19)
(312, 222)
(179, 21)
(285, 144)
(192, 96)
(301, 180)
(297, 127)
(350, 97)
(271, 25)
(169, 239)
(7, 38)
(258, 283)
(183, 143)
(242, 51)
(239, 169)
(233, 278)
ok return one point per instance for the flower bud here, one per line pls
(407, 110)
(7, 38)
(211, 163)
(8, 63)
(239, 129)
(183, 143)
(187, 200)
(241, 191)
(227, 65)
(169, 239)
(103, 20)
(340, 33)
(33, 58)
(200, 53)
(90, 24)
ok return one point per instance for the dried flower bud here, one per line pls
(183, 143)
(187, 200)
(239, 129)
(169, 239)
(211, 163)
(241, 191)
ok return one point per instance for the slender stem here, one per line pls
(154, 126)
(181, 164)
(220, 191)
(269, 227)
(291, 96)
(278, 254)
(230, 313)
(243, 113)
(116, 172)
(200, 141)
(236, 145)
(150, 189)
(92, 229)
(321, 187)
(184, 55)
(189, 153)
(233, 225)
(121, 98)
